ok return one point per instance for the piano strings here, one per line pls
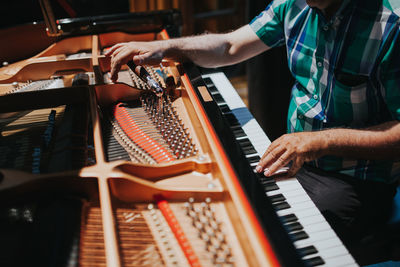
(29, 152)
(149, 131)
(149, 234)
(16, 87)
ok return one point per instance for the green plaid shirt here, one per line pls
(347, 71)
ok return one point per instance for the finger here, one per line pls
(111, 50)
(280, 162)
(116, 64)
(114, 73)
(118, 51)
(272, 146)
(297, 164)
(271, 157)
(117, 61)
(138, 59)
(155, 58)
(147, 59)
(115, 67)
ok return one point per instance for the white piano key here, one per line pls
(299, 199)
(334, 252)
(310, 220)
(288, 193)
(289, 185)
(322, 244)
(329, 248)
(335, 257)
(317, 227)
(342, 261)
(298, 206)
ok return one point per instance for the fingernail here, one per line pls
(138, 59)
(258, 168)
(266, 172)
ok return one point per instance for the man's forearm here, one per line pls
(214, 50)
(374, 143)
(207, 50)
(377, 142)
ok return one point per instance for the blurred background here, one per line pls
(263, 82)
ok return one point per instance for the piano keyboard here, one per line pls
(314, 239)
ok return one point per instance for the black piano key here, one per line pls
(267, 181)
(288, 218)
(249, 147)
(253, 159)
(235, 127)
(298, 236)
(296, 226)
(219, 99)
(309, 250)
(224, 108)
(245, 142)
(213, 89)
(271, 187)
(249, 150)
(208, 82)
(262, 177)
(232, 119)
(315, 261)
(281, 205)
(264, 180)
(277, 198)
(239, 133)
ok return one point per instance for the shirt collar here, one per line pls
(344, 8)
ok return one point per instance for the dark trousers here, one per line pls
(356, 209)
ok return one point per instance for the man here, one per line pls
(343, 141)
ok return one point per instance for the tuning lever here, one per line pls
(145, 76)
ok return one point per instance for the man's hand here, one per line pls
(205, 50)
(296, 148)
(142, 53)
(379, 142)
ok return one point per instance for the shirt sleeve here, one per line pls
(390, 75)
(268, 25)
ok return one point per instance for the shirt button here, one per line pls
(326, 28)
(315, 97)
(319, 64)
(301, 116)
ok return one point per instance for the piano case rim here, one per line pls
(260, 205)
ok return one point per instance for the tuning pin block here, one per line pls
(170, 126)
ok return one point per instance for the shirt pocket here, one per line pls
(350, 100)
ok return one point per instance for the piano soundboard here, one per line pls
(95, 173)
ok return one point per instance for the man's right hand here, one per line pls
(142, 53)
(206, 50)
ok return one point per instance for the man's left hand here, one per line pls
(296, 148)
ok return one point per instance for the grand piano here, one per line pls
(95, 173)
